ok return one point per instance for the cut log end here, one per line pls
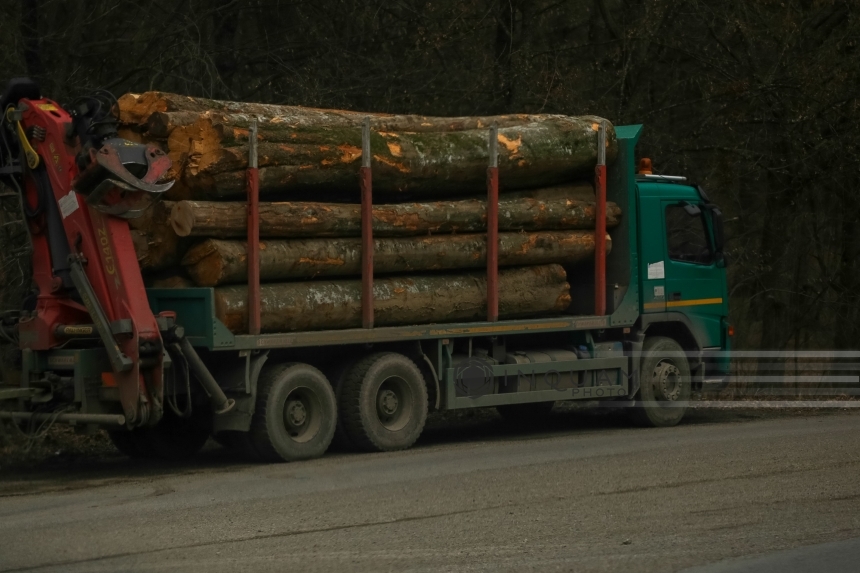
(205, 262)
(182, 218)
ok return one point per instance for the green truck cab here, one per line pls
(665, 333)
(682, 268)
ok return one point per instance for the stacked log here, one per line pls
(304, 149)
(215, 262)
(315, 305)
(429, 220)
(556, 208)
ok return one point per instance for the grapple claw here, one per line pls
(123, 176)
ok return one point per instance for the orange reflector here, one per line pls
(731, 330)
(645, 167)
(108, 380)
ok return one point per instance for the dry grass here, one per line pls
(59, 444)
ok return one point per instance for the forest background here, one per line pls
(757, 100)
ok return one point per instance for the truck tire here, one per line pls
(383, 402)
(664, 380)
(174, 438)
(130, 444)
(295, 415)
(525, 414)
(337, 375)
(238, 442)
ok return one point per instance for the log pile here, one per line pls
(429, 216)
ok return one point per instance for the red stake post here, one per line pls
(366, 182)
(493, 228)
(600, 226)
(253, 234)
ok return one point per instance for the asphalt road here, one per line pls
(576, 497)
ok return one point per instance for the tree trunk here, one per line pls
(302, 149)
(323, 305)
(214, 262)
(306, 219)
(161, 112)
(155, 242)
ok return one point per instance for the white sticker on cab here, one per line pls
(656, 271)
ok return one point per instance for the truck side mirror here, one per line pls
(717, 224)
(692, 210)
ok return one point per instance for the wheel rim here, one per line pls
(394, 403)
(666, 380)
(302, 414)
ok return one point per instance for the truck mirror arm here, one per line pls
(717, 224)
(719, 237)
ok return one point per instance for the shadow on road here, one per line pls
(70, 466)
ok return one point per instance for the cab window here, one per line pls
(687, 237)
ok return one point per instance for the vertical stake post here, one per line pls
(600, 226)
(253, 181)
(366, 182)
(493, 228)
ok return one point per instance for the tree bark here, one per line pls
(322, 305)
(302, 149)
(306, 219)
(215, 262)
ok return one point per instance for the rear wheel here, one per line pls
(174, 438)
(337, 374)
(383, 402)
(295, 415)
(664, 384)
(239, 442)
(130, 443)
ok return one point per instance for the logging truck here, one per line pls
(641, 325)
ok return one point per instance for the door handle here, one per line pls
(675, 296)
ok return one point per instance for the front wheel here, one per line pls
(665, 384)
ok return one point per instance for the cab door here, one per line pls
(652, 241)
(695, 282)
